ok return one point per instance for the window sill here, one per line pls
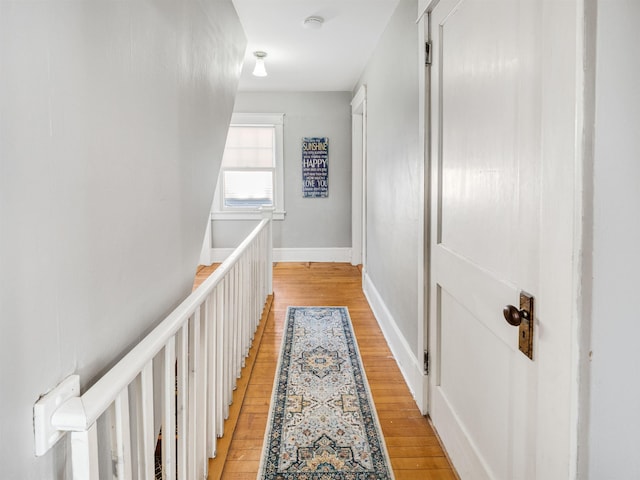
(253, 215)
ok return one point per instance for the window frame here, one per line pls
(222, 212)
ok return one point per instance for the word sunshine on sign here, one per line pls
(315, 167)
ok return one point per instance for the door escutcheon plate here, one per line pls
(525, 330)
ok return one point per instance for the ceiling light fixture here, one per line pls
(313, 22)
(259, 70)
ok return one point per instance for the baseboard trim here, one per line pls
(410, 366)
(312, 255)
(330, 255)
(219, 255)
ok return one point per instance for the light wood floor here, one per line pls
(414, 449)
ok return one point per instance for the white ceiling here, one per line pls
(301, 59)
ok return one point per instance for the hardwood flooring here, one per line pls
(414, 449)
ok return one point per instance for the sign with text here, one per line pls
(315, 167)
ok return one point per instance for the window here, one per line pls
(251, 171)
(248, 166)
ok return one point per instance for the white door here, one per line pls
(486, 150)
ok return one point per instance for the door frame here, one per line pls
(424, 224)
(559, 323)
(359, 178)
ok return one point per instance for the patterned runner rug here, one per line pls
(322, 424)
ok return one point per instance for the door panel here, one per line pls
(485, 147)
(466, 368)
(478, 194)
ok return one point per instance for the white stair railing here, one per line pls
(180, 377)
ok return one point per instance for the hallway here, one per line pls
(414, 449)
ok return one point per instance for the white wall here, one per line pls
(309, 222)
(113, 117)
(394, 170)
(614, 420)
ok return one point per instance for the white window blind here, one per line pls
(248, 166)
(249, 146)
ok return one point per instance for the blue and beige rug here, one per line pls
(322, 424)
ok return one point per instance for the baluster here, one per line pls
(236, 325)
(254, 293)
(259, 261)
(182, 354)
(227, 343)
(220, 389)
(194, 346)
(256, 285)
(242, 314)
(146, 433)
(123, 436)
(269, 258)
(109, 417)
(202, 419)
(260, 290)
(250, 297)
(234, 331)
(84, 454)
(256, 275)
(240, 318)
(237, 305)
(212, 369)
(261, 274)
(169, 412)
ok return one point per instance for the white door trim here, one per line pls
(424, 202)
(358, 176)
(561, 235)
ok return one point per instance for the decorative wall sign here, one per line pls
(315, 167)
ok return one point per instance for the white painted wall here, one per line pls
(309, 222)
(113, 117)
(614, 417)
(394, 171)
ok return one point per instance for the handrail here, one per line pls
(202, 345)
(77, 414)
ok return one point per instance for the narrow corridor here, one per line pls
(413, 447)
